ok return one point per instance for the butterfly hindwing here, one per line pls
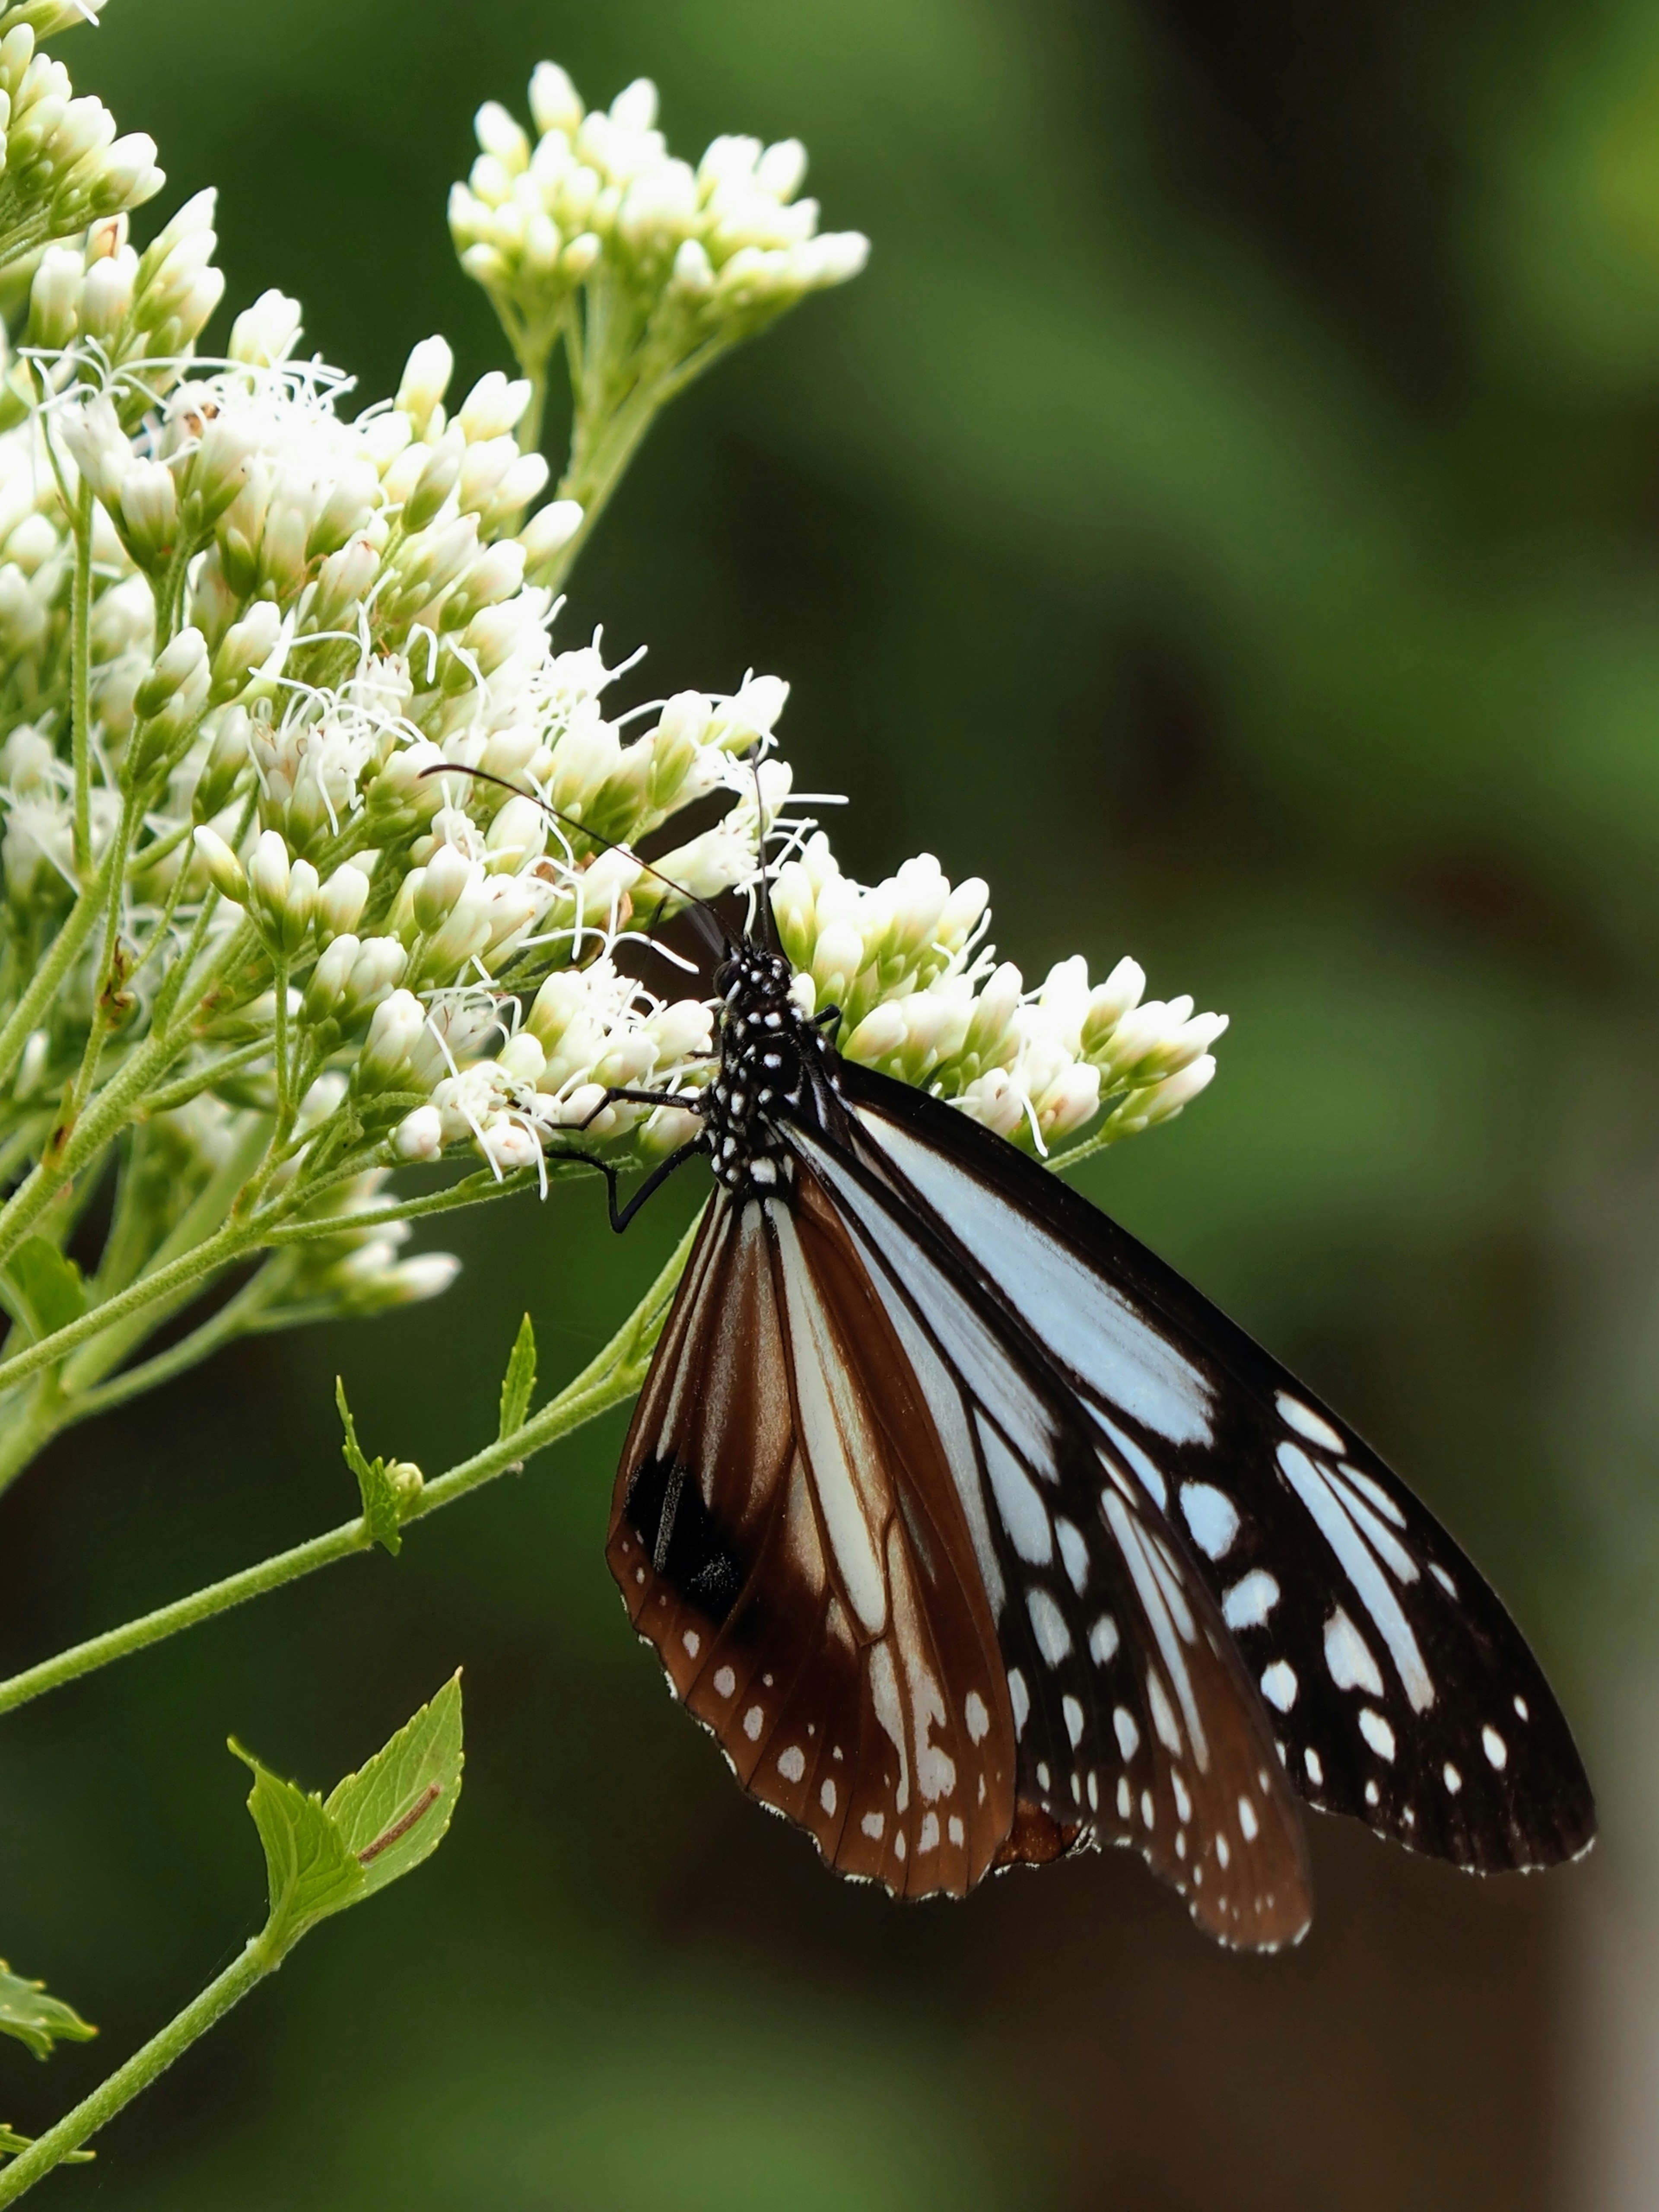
(1394, 1682)
(781, 1537)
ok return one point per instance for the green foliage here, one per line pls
(519, 1384)
(380, 1823)
(397, 1810)
(41, 1289)
(34, 2018)
(11, 2143)
(385, 1489)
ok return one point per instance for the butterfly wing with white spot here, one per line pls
(1397, 1686)
(1136, 1724)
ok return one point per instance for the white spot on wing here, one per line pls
(1128, 1735)
(827, 1797)
(692, 1642)
(1376, 1733)
(1024, 1513)
(872, 1824)
(1249, 1601)
(1075, 1553)
(1212, 1516)
(1279, 1685)
(1375, 1591)
(1048, 1625)
(1073, 1713)
(1020, 1698)
(1249, 1827)
(751, 1723)
(1163, 1719)
(1311, 1760)
(725, 1682)
(1306, 1423)
(1102, 1640)
(1452, 1778)
(978, 1720)
(1348, 1656)
(791, 1763)
(1497, 1751)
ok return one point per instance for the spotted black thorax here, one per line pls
(773, 1060)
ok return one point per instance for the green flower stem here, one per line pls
(260, 1957)
(81, 681)
(609, 1380)
(47, 979)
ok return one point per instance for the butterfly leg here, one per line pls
(621, 1216)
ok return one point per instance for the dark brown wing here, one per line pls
(785, 1532)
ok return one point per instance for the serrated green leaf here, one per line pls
(46, 1288)
(519, 1384)
(378, 1490)
(397, 1810)
(310, 1869)
(34, 2018)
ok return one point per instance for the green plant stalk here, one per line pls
(610, 1379)
(48, 977)
(260, 1957)
(81, 681)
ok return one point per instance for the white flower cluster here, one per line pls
(63, 165)
(922, 998)
(600, 190)
(646, 268)
(317, 852)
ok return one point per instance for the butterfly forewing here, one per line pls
(1396, 1687)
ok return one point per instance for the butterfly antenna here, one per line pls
(769, 921)
(581, 829)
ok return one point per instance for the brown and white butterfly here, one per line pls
(976, 1535)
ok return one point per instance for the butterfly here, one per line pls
(976, 1536)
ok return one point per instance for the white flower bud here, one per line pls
(419, 1135)
(501, 137)
(493, 406)
(268, 875)
(442, 881)
(377, 968)
(246, 646)
(150, 513)
(341, 902)
(634, 107)
(781, 168)
(266, 332)
(547, 533)
(99, 447)
(224, 869)
(55, 297)
(428, 1275)
(330, 978)
(425, 380)
(554, 103)
(523, 1058)
(393, 1033)
(518, 834)
(106, 293)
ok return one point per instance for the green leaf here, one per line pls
(519, 1384)
(397, 1811)
(310, 1868)
(45, 1288)
(380, 1495)
(28, 2013)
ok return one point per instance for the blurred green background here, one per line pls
(1225, 515)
